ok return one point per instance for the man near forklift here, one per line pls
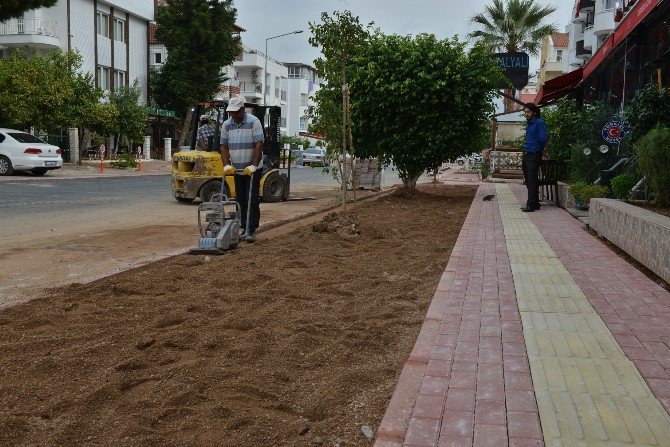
(241, 150)
(205, 132)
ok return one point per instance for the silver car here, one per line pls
(312, 156)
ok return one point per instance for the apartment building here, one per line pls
(592, 21)
(302, 84)
(110, 35)
(553, 57)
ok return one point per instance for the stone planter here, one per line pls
(641, 233)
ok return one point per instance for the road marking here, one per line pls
(588, 392)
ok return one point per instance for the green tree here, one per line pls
(339, 37)
(35, 91)
(647, 109)
(132, 117)
(514, 25)
(417, 101)
(16, 8)
(198, 35)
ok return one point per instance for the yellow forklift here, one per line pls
(197, 173)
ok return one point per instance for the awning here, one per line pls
(630, 21)
(558, 87)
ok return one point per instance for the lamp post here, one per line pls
(265, 71)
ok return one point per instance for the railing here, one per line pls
(251, 87)
(45, 27)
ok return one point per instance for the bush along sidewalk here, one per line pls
(583, 194)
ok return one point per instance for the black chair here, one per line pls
(551, 171)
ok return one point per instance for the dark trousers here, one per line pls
(531, 166)
(242, 197)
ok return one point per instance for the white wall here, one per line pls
(138, 54)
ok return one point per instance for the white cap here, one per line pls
(235, 104)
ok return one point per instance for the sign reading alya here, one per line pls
(515, 68)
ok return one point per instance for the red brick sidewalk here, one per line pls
(467, 381)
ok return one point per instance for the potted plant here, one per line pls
(583, 194)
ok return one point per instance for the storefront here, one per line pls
(637, 53)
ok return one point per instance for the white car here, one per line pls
(20, 151)
(312, 156)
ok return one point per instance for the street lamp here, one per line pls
(265, 72)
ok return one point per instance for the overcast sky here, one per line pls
(444, 18)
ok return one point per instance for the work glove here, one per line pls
(249, 170)
(228, 170)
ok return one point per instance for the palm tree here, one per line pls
(516, 25)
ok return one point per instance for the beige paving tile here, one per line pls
(589, 394)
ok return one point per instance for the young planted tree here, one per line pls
(16, 8)
(198, 35)
(339, 38)
(417, 101)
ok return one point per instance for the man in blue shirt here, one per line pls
(536, 139)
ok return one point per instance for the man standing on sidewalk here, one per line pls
(536, 139)
(241, 149)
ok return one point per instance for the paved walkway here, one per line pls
(537, 335)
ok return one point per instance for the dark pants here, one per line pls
(531, 166)
(242, 197)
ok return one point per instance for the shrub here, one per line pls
(125, 161)
(622, 184)
(586, 192)
(653, 152)
(650, 107)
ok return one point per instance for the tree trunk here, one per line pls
(354, 179)
(344, 144)
(185, 126)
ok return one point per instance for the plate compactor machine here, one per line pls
(221, 228)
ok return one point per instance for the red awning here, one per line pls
(558, 87)
(639, 12)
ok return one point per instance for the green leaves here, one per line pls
(16, 8)
(516, 25)
(45, 92)
(418, 114)
(198, 35)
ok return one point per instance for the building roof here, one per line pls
(298, 64)
(560, 39)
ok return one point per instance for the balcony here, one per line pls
(251, 87)
(250, 59)
(603, 22)
(590, 40)
(39, 33)
(580, 51)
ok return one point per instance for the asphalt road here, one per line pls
(45, 195)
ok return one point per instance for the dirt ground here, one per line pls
(295, 340)
(82, 247)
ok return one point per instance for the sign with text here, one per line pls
(515, 68)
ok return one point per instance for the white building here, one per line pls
(592, 21)
(301, 85)
(110, 35)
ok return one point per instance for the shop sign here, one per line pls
(615, 131)
(515, 68)
(162, 112)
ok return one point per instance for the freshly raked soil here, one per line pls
(292, 341)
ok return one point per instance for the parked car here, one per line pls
(476, 158)
(20, 151)
(312, 156)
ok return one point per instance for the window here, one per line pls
(608, 4)
(294, 72)
(303, 123)
(103, 24)
(119, 30)
(559, 55)
(158, 58)
(303, 99)
(119, 78)
(103, 77)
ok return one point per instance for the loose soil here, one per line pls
(279, 343)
